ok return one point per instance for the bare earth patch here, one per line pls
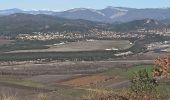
(4, 41)
(52, 78)
(86, 80)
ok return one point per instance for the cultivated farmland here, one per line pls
(91, 45)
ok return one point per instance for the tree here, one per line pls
(143, 86)
(162, 66)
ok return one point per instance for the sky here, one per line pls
(60, 5)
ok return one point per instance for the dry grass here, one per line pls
(86, 80)
(84, 46)
(104, 95)
(6, 97)
(10, 98)
(40, 96)
(4, 41)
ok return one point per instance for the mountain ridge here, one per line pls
(107, 15)
(25, 23)
(146, 24)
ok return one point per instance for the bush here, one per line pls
(143, 86)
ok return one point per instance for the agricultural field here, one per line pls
(92, 45)
(87, 50)
(5, 42)
(21, 45)
(72, 80)
(71, 70)
(64, 80)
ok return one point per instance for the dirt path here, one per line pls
(122, 84)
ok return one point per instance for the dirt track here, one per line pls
(122, 84)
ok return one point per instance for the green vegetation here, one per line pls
(139, 44)
(30, 44)
(140, 75)
(73, 92)
(22, 45)
(21, 82)
(61, 56)
(143, 85)
(127, 73)
(50, 55)
(81, 46)
(163, 88)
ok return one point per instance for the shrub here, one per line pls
(162, 65)
(143, 86)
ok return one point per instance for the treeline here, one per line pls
(61, 56)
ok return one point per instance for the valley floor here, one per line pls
(65, 80)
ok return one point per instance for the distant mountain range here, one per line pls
(107, 15)
(146, 24)
(28, 23)
(167, 21)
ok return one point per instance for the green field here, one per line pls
(73, 51)
(77, 92)
(61, 56)
(127, 73)
(92, 45)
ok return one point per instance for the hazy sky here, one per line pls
(68, 4)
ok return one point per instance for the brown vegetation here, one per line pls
(143, 87)
(4, 41)
(161, 66)
(86, 80)
(15, 97)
